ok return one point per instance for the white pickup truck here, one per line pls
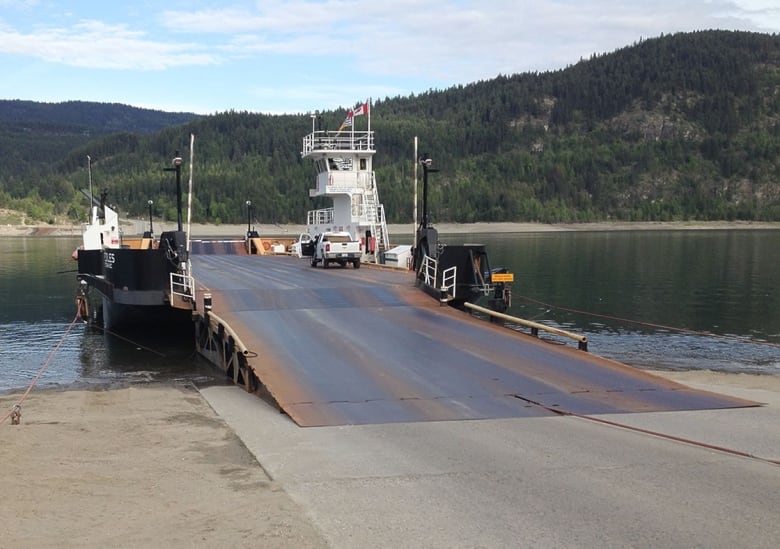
(336, 247)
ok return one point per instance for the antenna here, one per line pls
(89, 170)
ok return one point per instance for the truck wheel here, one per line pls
(325, 262)
(356, 263)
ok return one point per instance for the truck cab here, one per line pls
(336, 247)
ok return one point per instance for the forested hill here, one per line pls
(685, 126)
(84, 116)
(35, 136)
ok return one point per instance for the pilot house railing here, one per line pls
(338, 141)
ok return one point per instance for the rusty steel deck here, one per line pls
(346, 346)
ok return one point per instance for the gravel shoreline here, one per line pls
(200, 230)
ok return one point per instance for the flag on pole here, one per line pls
(347, 121)
(362, 109)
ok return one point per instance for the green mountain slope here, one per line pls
(685, 126)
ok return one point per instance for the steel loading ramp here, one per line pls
(341, 346)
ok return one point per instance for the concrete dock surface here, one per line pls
(664, 479)
(169, 465)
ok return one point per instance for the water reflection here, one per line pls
(721, 282)
(83, 355)
(147, 357)
(37, 307)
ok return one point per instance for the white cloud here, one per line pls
(317, 53)
(459, 40)
(765, 15)
(449, 40)
(93, 44)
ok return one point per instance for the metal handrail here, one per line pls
(320, 217)
(582, 341)
(429, 269)
(449, 278)
(338, 141)
(215, 322)
(182, 285)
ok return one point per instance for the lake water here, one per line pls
(651, 289)
(645, 285)
(37, 310)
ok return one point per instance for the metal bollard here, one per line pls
(207, 302)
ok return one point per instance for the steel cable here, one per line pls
(42, 370)
(651, 324)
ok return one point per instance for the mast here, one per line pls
(414, 198)
(189, 193)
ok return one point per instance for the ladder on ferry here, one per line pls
(375, 214)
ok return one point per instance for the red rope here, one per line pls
(651, 324)
(43, 368)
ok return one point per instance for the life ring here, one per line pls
(266, 245)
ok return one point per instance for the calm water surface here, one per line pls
(644, 283)
(37, 309)
(721, 282)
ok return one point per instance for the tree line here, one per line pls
(679, 127)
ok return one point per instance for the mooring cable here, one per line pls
(128, 340)
(651, 324)
(42, 369)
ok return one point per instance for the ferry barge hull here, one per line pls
(142, 282)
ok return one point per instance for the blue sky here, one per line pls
(299, 56)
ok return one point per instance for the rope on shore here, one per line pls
(16, 411)
(651, 324)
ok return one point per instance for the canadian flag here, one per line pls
(362, 109)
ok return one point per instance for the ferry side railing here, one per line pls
(449, 277)
(371, 213)
(428, 268)
(182, 288)
(320, 217)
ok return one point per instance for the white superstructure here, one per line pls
(344, 173)
(102, 231)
